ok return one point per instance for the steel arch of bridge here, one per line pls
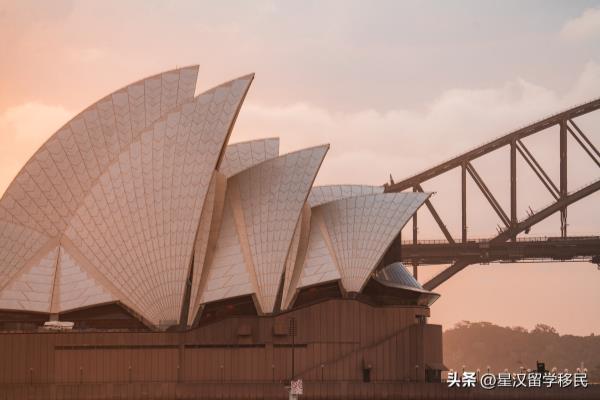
(463, 252)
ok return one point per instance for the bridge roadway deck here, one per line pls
(537, 249)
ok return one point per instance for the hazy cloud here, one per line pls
(403, 141)
(583, 27)
(23, 129)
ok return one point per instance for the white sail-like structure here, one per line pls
(139, 200)
(243, 155)
(122, 185)
(349, 234)
(325, 194)
(262, 208)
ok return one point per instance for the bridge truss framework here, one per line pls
(505, 246)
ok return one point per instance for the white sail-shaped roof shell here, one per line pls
(227, 274)
(75, 287)
(243, 155)
(326, 193)
(320, 265)
(31, 288)
(139, 193)
(122, 185)
(237, 157)
(56, 283)
(144, 211)
(361, 229)
(40, 202)
(349, 236)
(262, 208)
(296, 257)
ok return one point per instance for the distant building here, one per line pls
(137, 217)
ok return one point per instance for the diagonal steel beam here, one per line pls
(561, 196)
(461, 264)
(537, 168)
(585, 138)
(493, 145)
(446, 274)
(437, 217)
(488, 194)
(546, 212)
(583, 146)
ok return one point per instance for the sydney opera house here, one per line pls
(183, 264)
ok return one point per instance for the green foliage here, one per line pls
(482, 344)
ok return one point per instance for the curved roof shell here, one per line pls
(124, 185)
(139, 194)
(262, 208)
(324, 194)
(44, 196)
(363, 227)
(296, 257)
(31, 288)
(397, 276)
(236, 158)
(243, 155)
(349, 236)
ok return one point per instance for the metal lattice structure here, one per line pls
(505, 246)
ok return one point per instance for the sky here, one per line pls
(393, 86)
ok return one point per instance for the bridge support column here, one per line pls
(463, 171)
(415, 238)
(513, 185)
(563, 177)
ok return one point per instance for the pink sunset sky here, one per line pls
(394, 87)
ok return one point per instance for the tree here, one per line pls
(481, 344)
(543, 328)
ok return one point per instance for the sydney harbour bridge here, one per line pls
(505, 245)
